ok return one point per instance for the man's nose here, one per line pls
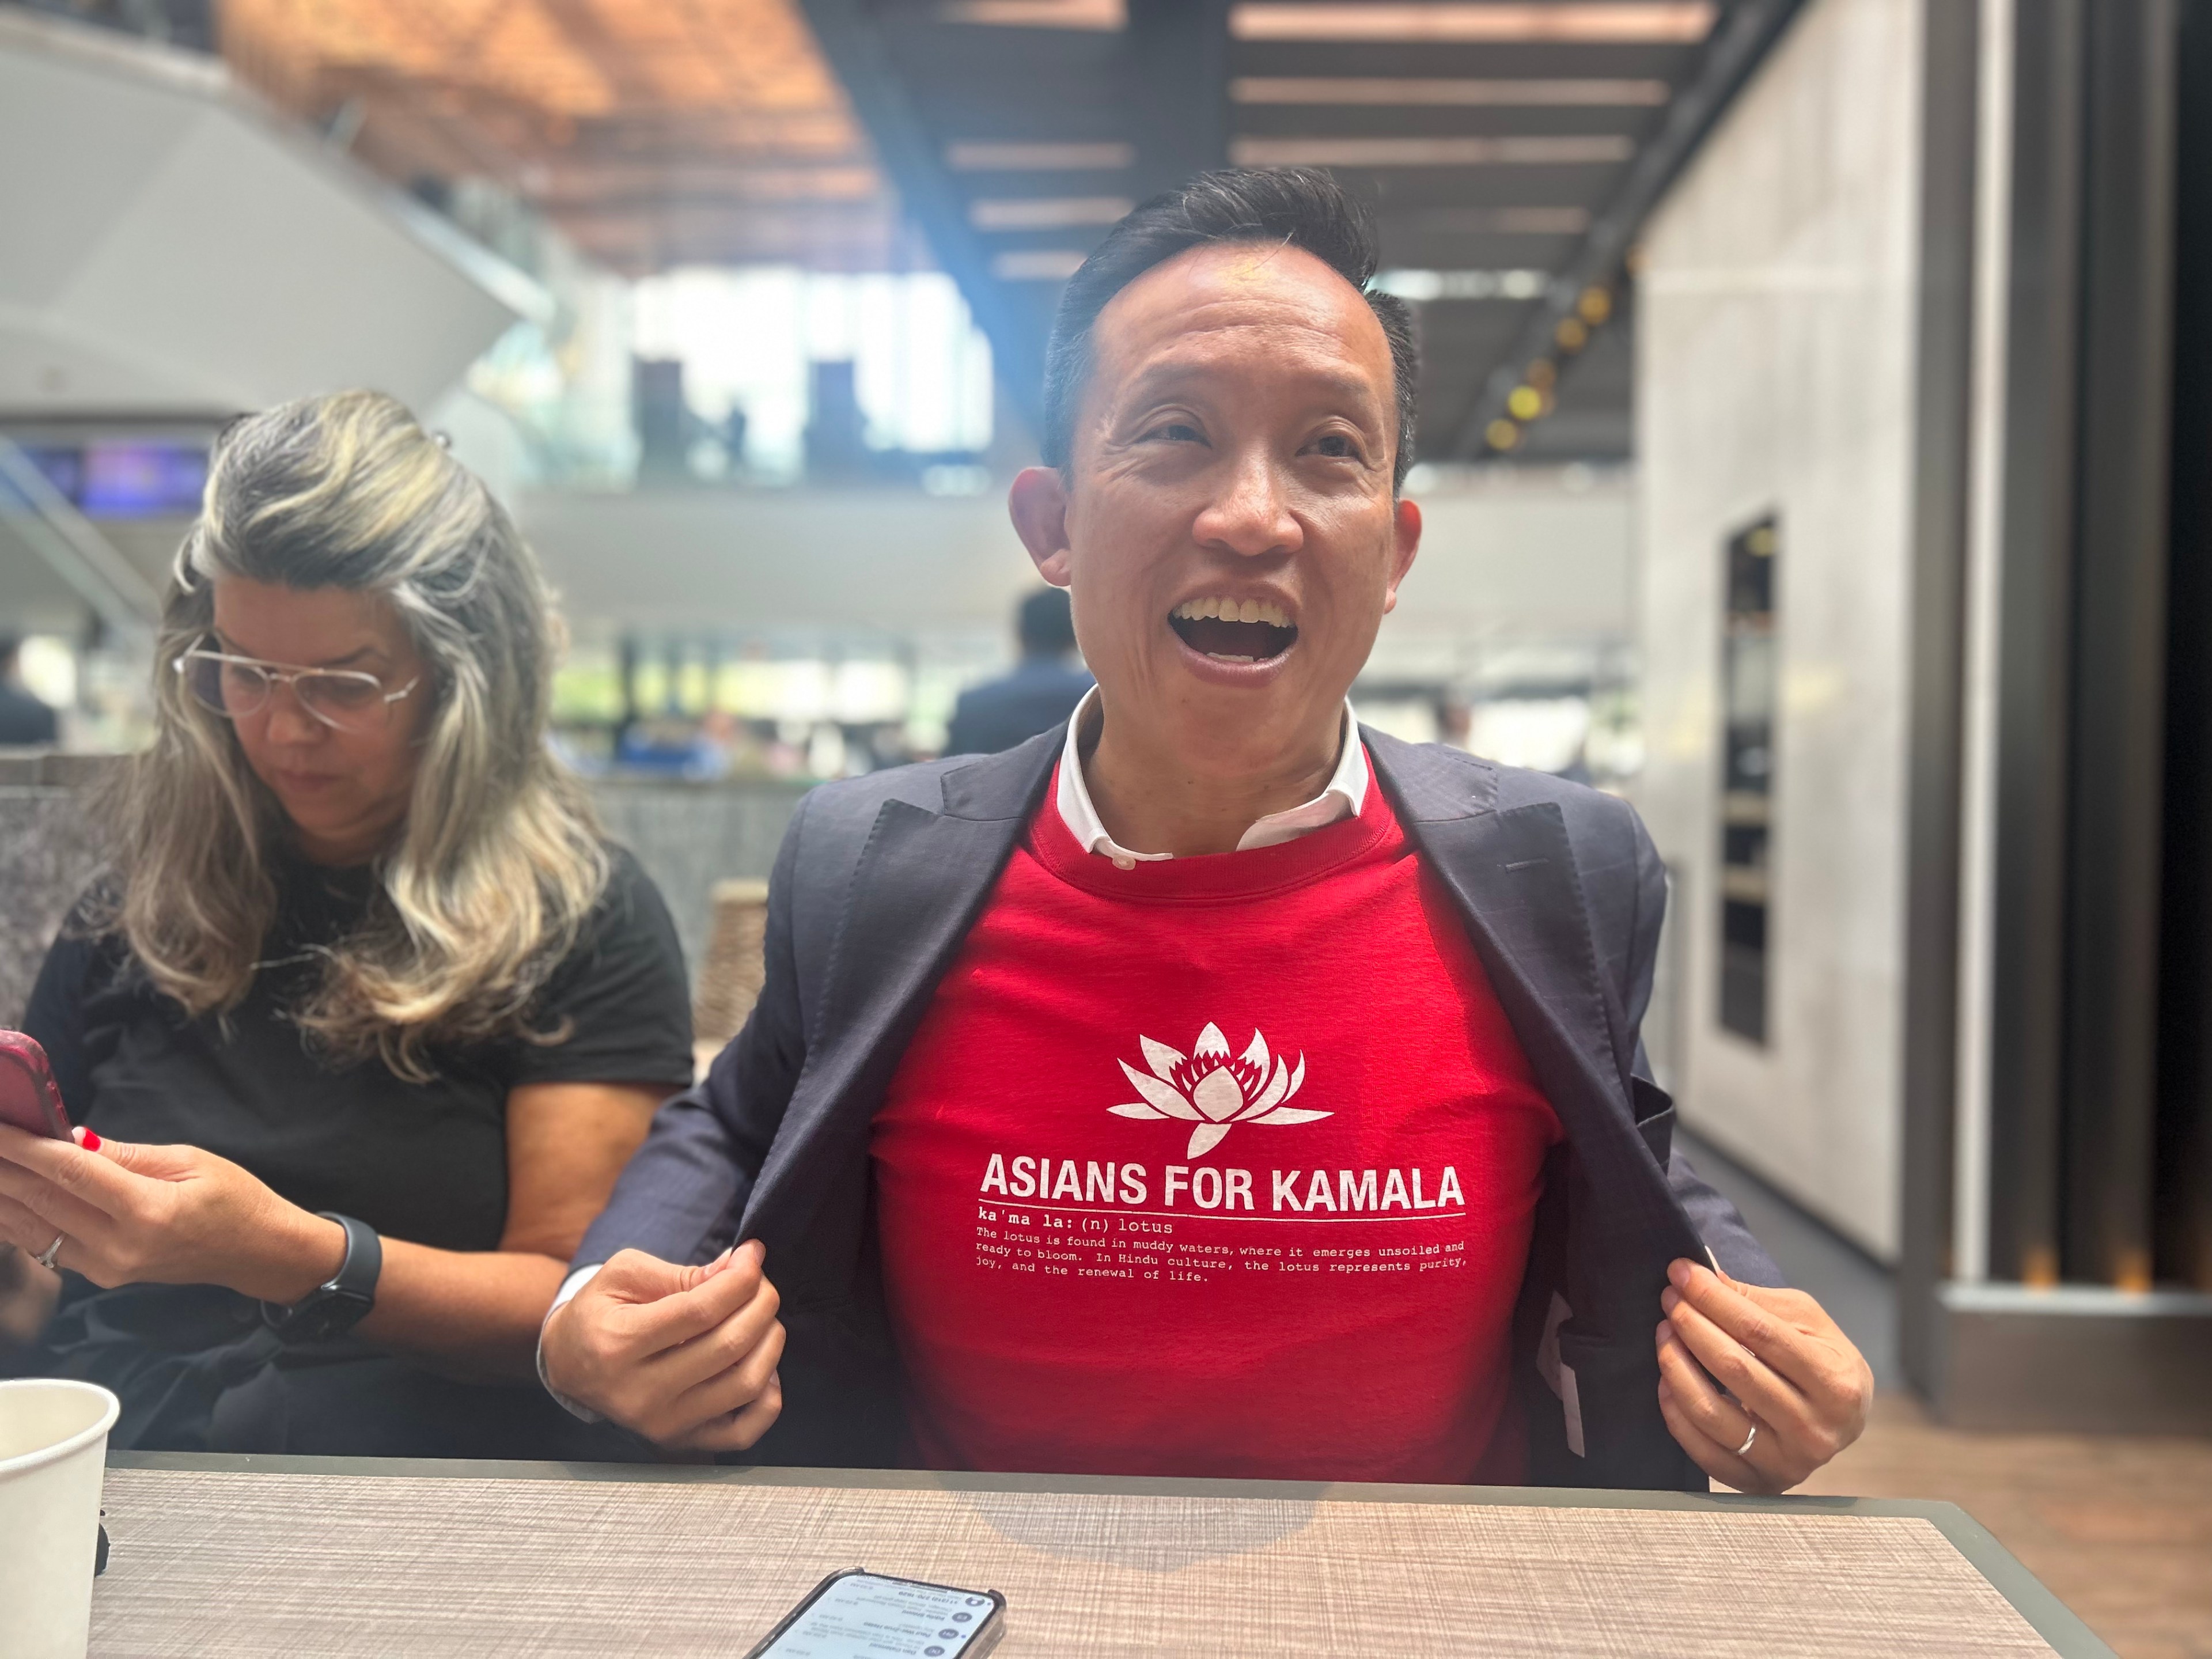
(1251, 514)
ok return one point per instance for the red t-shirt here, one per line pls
(1215, 1166)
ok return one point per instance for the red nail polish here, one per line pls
(91, 1142)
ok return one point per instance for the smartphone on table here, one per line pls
(858, 1614)
(29, 1100)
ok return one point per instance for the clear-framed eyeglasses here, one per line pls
(239, 688)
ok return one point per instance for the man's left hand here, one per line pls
(1800, 1388)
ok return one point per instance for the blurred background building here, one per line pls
(1811, 446)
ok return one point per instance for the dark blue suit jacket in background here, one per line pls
(878, 880)
(1039, 694)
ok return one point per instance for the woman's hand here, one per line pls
(165, 1215)
(1797, 1387)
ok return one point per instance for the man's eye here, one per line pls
(1337, 445)
(1181, 432)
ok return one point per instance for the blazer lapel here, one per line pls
(1512, 877)
(922, 879)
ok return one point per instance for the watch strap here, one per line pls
(364, 1259)
(335, 1307)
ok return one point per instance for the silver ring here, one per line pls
(46, 1260)
(1744, 1450)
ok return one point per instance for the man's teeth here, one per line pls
(1236, 610)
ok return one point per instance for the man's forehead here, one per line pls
(1185, 310)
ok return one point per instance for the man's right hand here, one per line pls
(683, 1356)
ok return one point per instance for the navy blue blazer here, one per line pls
(878, 882)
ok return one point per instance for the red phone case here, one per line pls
(28, 1098)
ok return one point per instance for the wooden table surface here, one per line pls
(250, 1555)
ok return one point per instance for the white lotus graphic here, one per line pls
(1213, 1091)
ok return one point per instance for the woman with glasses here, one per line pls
(366, 1016)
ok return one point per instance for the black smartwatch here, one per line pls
(331, 1311)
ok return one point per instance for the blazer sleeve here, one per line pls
(1738, 1254)
(681, 1195)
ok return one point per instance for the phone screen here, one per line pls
(858, 1615)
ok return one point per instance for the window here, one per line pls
(1748, 666)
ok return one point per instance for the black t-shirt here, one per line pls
(422, 1162)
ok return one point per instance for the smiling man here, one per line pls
(1209, 1087)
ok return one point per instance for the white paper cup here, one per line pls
(53, 1451)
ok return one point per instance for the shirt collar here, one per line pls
(1343, 798)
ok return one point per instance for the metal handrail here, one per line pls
(73, 547)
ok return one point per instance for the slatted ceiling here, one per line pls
(1416, 251)
(1315, 93)
(579, 58)
(1047, 213)
(1453, 333)
(1531, 219)
(999, 156)
(1032, 156)
(1503, 149)
(1512, 61)
(728, 130)
(1399, 191)
(1091, 15)
(1432, 121)
(930, 44)
(1490, 135)
(1076, 108)
(1453, 330)
(1594, 404)
(653, 134)
(1426, 21)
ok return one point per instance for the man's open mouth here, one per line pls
(1234, 630)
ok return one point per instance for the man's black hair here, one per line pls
(1045, 625)
(1296, 207)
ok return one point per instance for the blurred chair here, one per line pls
(729, 977)
(50, 851)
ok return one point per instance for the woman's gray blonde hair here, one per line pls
(499, 862)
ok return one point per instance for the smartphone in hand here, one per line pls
(28, 1097)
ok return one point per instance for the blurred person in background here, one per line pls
(25, 721)
(366, 1016)
(1042, 692)
(1011, 1167)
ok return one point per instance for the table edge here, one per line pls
(2050, 1618)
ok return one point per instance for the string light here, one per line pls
(1536, 395)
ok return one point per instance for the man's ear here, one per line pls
(1405, 535)
(1038, 505)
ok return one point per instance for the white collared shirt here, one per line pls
(1341, 800)
(1345, 793)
